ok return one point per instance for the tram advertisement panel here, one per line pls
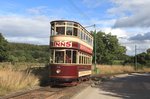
(70, 44)
(61, 44)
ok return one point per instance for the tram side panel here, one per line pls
(84, 70)
(63, 73)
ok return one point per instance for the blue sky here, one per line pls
(28, 20)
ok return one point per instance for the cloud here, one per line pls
(29, 40)
(133, 13)
(118, 32)
(25, 29)
(141, 37)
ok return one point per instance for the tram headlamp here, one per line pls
(58, 71)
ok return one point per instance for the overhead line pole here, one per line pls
(135, 57)
(95, 68)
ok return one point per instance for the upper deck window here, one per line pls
(52, 29)
(60, 30)
(76, 25)
(69, 31)
(60, 23)
(70, 23)
(75, 32)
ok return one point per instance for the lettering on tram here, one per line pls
(61, 44)
(71, 47)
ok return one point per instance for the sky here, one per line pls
(28, 21)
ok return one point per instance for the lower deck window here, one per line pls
(70, 56)
(74, 56)
(59, 56)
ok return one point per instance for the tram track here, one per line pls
(48, 92)
(40, 93)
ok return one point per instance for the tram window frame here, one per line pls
(71, 30)
(81, 35)
(80, 59)
(52, 29)
(52, 32)
(75, 25)
(52, 56)
(59, 59)
(78, 33)
(70, 23)
(75, 31)
(68, 58)
(61, 31)
(74, 57)
(59, 23)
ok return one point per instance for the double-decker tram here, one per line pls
(71, 47)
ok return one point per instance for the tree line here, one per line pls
(108, 51)
(21, 52)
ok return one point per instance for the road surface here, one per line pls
(134, 86)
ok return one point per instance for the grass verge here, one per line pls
(107, 69)
(11, 80)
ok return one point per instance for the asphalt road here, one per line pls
(133, 86)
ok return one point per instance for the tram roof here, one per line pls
(71, 21)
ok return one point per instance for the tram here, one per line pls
(71, 47)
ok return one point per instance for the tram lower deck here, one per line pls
(68, 65)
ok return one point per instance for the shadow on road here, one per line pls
(130, 87)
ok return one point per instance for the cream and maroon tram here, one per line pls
(71, 47)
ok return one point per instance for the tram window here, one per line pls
(75, 32)
(51, 56)
(82, 59)
(86, 60)
(68, 56)
(52, 31)
(76, 25)
(69, 23)
(78, 33)
(60, 23)
(86, 38)
(79, 59)
(74, 56)
(59, 56)
(69, 30)
(81, 35)
(60, 30)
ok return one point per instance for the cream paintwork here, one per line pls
(84, 73)
(70, 38)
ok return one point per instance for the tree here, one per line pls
(108, 48)
(3, 48)
(148, 50)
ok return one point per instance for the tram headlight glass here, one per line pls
(58, 71)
